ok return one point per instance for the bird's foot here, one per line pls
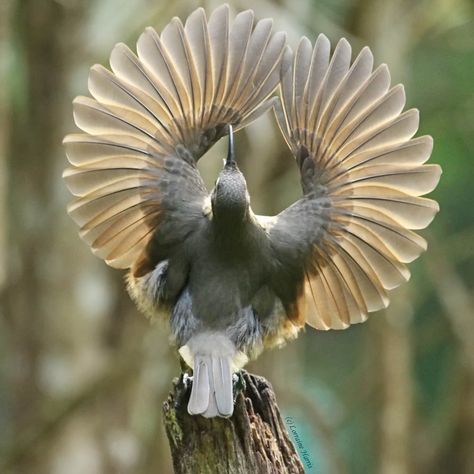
(187, 380)
(238, 383)
(186, 374)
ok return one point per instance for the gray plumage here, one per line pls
(230, 282)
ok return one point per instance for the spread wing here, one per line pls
(134, 169)
(362, 175)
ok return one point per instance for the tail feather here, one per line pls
(213, 357)
(211, 410)
(199, 400)
(222, 378)
(211, 393)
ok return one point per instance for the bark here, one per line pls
(253, 440)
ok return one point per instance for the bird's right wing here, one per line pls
(152, 117)
(362, 175)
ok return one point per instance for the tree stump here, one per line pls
(254, 440)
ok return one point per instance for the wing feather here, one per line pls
(253, 55)
(362, 174)
(317, 72)
(219, 26)
(198, 40)
(152, 117)
(239, 38)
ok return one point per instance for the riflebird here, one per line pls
(232, 283)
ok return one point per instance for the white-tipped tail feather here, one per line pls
(211, 393)
(213, 358)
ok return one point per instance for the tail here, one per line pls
(212, 357)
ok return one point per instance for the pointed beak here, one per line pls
(230, 162)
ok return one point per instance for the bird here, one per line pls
(229, 282)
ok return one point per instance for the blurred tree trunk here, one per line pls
(254, 440)
(396, 376)
(5, 9)
(458, 304)
(36, 80)
(383, 25)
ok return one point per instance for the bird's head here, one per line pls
(230, 198)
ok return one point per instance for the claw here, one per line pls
(187, 379)
(239, 384)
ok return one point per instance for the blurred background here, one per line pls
(83, 375)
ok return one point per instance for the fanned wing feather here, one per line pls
(362, 175)
(152, 117)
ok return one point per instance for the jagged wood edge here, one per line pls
(253, 440)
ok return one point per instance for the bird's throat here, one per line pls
(231, 219)
(231, 227)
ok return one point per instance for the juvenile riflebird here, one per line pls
(232, 283)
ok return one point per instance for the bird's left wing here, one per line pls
(134, 170)
(362, 175)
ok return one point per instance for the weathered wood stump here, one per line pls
(254, 440)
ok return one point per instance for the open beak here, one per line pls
(230, 162)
